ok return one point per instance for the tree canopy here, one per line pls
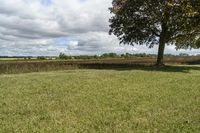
(159, 22)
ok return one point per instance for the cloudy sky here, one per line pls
(48, 27)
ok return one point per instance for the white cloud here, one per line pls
(33, 27)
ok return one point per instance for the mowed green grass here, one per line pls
(102, 101)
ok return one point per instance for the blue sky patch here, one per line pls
(63, 41)
(46, 2)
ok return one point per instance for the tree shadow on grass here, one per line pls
(143, 67)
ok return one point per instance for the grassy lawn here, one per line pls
(104, 101)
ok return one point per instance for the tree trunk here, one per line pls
(160, 57)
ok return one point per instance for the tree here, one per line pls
(157, 22)
(41, 58)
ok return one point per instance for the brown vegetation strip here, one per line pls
(34, 66)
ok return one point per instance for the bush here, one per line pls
(41, 58)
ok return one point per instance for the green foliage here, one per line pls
(86, 57)
(160, 22)
(183, 54)
(41, 58)
(198, 43)
(109, 55)
(104, 56)
(145, 21)
(128, 55)
(102, 101)
(63, 56)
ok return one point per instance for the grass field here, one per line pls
(127, 100)
(10, 59)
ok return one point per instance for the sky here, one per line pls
(73, 27)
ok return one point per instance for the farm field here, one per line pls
(119, 100)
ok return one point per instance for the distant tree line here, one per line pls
(115, 55)
(104, 56)
(64, 56)
(16, 56)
